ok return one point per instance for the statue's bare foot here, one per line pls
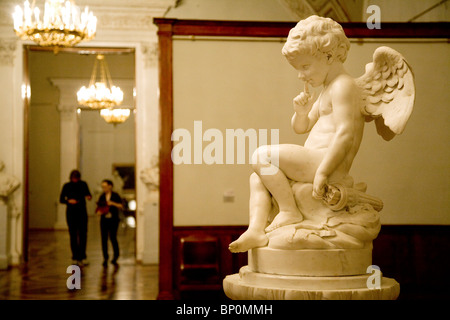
(248, 240)
(284, 218)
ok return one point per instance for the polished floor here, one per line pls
(44, 275)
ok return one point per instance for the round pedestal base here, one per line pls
(249, 285)
(310, 262)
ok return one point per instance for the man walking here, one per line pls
(74, 195)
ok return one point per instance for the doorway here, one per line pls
(61, 136)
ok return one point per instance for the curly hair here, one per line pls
(317, 35)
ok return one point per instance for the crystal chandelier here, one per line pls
(62, 24)
(115, 116)
(100, 94)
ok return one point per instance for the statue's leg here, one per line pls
(282, 162)
(260, 205)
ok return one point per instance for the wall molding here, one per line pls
(7, 51)
(118, 14)
(150, 52)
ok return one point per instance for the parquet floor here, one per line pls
(44, 275)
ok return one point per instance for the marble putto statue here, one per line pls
(302, 198)
(8, 183)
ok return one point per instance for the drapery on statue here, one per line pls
(316, 202)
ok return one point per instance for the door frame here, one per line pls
(91, 50)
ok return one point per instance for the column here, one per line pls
(147, 141)
(12, 93)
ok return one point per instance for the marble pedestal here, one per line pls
(327, 274)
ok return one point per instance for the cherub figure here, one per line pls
(317, 48)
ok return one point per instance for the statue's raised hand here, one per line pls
(304, 101)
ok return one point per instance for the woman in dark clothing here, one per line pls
(108, 206)
(74, 195)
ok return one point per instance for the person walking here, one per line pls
(108, 206)
(74, 195)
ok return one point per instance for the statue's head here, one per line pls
(321, 38)
(317, 35)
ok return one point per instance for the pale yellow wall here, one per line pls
(43, 165)
(234, 84)
(260, 10)
(44, 124)
(411, 172)
(404, 10)
(226, 85)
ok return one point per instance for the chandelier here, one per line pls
(115, 116)
(62, 23)
(100, 94)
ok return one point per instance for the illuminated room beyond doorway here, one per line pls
(62, 135)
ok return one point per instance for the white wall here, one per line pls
(236, 84)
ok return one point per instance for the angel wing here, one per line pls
(388, 92)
